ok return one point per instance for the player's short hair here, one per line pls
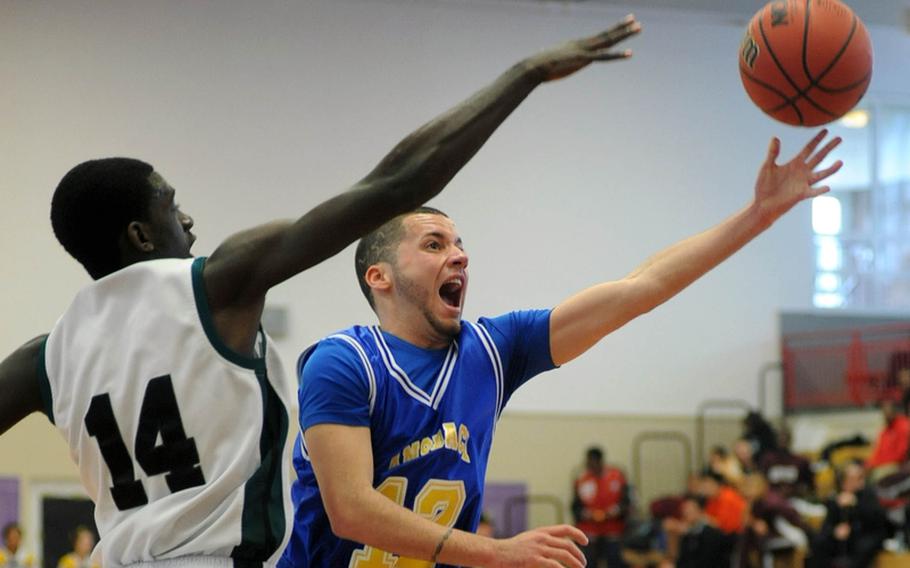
(380, 246)
(92, 206)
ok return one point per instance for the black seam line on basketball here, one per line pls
(774, 90)
(805, 57)
(866, 78)
(788, 100)
(816, 81)
(813, 82)
(764, 36)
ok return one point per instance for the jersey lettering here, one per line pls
(176, 456)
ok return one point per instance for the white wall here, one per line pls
(257, 110)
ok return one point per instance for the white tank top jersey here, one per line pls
(180, 441)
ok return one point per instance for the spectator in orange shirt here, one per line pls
(892, 444)
(725, 506)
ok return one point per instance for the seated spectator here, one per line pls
(83, 541)
(759, 433)
(12, 555)
(893, 441)
(693, 541)
(855, 525)
(773, 527)
(745, 451)
(725, 464)
(600, 507)
(902, 378)
(788, 474)
(724, 505)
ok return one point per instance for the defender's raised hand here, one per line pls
(569, 57)
(779, 188)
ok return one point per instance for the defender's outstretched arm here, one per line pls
(246, 265)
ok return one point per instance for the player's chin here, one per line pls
(449, 327)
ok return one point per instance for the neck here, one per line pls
(412, 326)
(423, 338)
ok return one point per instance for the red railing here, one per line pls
(844, 368)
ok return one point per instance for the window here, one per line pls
(862, 227)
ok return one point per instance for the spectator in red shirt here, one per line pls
(892, 444)
(600, 507)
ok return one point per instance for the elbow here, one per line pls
(411, 181)
(344, 518)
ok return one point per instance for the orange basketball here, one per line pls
(806, 62)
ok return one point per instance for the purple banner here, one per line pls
(9, 500)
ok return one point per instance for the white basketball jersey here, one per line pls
(180, 441)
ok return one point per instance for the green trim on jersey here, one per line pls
(208, 324)
(44, 383)
(263, 522)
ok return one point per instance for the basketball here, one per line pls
(806, 62)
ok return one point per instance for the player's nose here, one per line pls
(459, 259)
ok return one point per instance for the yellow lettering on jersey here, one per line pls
(411, 452)
(439, 500)
(451, 435)
(463, 436)
(395, 488)
(438, 443)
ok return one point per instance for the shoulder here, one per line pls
(348, 352)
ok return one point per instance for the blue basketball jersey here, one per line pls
(431, 413)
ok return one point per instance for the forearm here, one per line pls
(372, 519)
(417, 169)
(673, 269)
(584, 319)
(426, 160)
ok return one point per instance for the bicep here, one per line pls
(342, 459)
(19, 382)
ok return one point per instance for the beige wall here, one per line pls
(544, 451)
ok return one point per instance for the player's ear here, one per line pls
(137, 234)
(379, 277)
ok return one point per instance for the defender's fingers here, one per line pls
(616, 34)
(815, 160)
(611, 55)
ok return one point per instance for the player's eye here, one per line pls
(433, 245)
